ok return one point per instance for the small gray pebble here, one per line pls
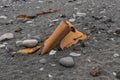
(43, 61)
(2, 46)
(6, 36)
(18, 43)
(80, 14)
(3, 17)
(74, 54)
(30, 43)
(72, 20)
(116, 55)
(67, 61)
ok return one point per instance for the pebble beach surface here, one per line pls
(98, 58)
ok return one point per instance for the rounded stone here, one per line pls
(117, 31)
(30, 43)
(6, 36)
(67, 61)
(43, 61)
(2, 46)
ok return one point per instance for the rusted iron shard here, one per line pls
(29, 50)
(25, 17)
(60, 32)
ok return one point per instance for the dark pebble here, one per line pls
(96, 17)
(108, 21)
(118, 75)
(18, 30)
(63, 16)
(82, 44)
(117, 31)
(96, 71)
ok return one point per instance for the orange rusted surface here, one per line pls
(60, 32)
(72, 38)
(29, 50)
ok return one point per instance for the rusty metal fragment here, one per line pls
(29, 50)
(60, 32)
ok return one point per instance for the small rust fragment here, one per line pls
(25, 17)
(29, 50)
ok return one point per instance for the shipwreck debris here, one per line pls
(64, 36)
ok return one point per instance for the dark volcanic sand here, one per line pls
(101, 20)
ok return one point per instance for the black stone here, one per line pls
(118, 75)
(18, 30)
(117, 31)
